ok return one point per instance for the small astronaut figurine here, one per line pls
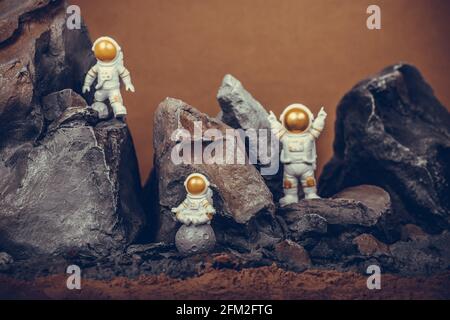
(197, 208)
(297, 132)
(108, 71)
(195, 213)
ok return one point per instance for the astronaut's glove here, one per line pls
(176, 211)
(322, 113)
(86, 88)
(129, 87)
(273, 120)
(319, 122)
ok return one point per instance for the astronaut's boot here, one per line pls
(290, 196)
(311, 193)
(119, 109)
(101, 108)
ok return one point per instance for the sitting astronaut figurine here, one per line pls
(108, 71)
(195, 213)
(197, 208)
(297, 133)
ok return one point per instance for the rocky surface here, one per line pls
(425, 255)
(360, 208)
(391, 131)
(5, 261)
(240, 110)
(69, 185)
(255, 283)
(71, 194)
(243, 203)
(38, 56)
(76, 188)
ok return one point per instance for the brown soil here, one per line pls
(259, 283)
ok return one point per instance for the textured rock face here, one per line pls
(391, 131)
(240, 110)
(38, 56)
(363, 207)
(241, 198)
(292, 255)
(76, 188)
(67, 183)
(425, 255)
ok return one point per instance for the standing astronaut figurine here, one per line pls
(108, 71)
(195, 213)
(297, 132)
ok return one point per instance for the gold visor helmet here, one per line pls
(196, 184)
(297, 118)
(105, 49)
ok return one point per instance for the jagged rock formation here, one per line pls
(240, 110)
(76, 188)
(244, 204)
(392, 132)
(68, 183)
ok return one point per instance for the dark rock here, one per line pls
(343, 213)
(75, 192)
(412, 232)
(422, 256)
(292, 255)
(243, 203)
(38, 56)
(368, 245)
(5, 261)
(240, 110)
(70, 185)
(391, 131)
(54, 104)
(308, 225)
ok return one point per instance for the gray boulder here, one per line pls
(391, 131)
(243, 203)
(425, 255)
(240, 110)
(5, 261)
(360, 208)
(38, 56)
(76, 188)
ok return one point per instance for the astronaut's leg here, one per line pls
(99, 105)
(290, 188)
(309, 183)
(115, 98)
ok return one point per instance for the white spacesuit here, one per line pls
(108, 71)
(197, 208)
(297, 132)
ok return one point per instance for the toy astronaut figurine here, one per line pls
(195, 213)
(108, 71)
(297, 132)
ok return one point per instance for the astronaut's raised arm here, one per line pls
(276, 127)
(318, 123)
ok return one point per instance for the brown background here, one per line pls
(283, 51)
